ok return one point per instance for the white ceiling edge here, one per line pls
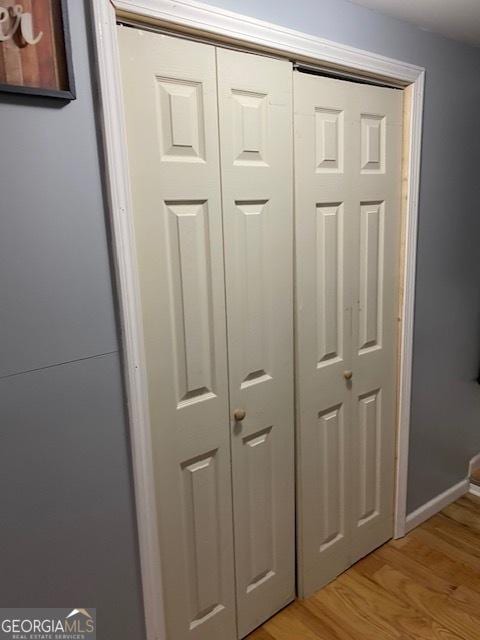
(456, 19)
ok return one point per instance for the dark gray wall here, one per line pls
(67, 534)
(445, 421)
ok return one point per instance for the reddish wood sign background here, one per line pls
(45, 64)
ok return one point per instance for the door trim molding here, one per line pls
(200, 20)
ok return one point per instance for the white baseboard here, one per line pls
(474, 464)
(436, 504)
(474, 489)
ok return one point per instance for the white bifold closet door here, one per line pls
(210, 160)
(169, 89)
(347, 202)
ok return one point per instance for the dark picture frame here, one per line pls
(65, 94)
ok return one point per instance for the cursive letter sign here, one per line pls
(19, 20)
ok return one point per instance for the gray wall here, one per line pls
(67, 534)
(445, 421)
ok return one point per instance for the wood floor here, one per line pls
(426, 585)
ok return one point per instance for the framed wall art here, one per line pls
(35, 50)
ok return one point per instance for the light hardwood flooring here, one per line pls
(426, 585)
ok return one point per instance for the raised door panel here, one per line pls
(369, 436)
(181, 120)
(249, 258)
(255, 96)
(200, 480)
(172, 130)
(188, 246)
(258, 511)
(370, 315)
(249, 127)
(329, 140)
(372, 133)
(331, 467)
(329, 281)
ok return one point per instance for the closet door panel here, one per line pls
(171, 115)
(375, 247)
(255, 96)
(323, 209)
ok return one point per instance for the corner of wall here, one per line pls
(436, 504)
(474, 464)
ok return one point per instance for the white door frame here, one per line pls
(200, 20)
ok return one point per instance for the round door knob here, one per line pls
(348, 375)
(239, 414)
